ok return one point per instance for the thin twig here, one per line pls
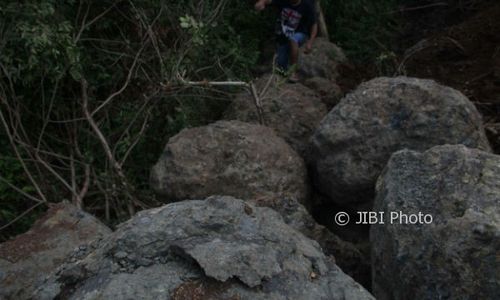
(20, 191)
(21, 215)
(107, 149)
(258, 105)
(250, 86)
(266, 87)
(137, 139)
(20, 159)
(86, 25)
(419, 7)
(84, 189)
(125, 84)
(47, 119)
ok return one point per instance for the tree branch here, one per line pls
(107, 149)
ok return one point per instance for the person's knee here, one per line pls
(298, 39)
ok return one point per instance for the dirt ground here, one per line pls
(465, 56)
(458, 45)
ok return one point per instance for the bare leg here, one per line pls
(294, 58)
(294, 53)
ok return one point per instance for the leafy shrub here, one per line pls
(363, 28)
(129, 52)
(125, 58)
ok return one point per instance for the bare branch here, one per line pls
(137, 139)
(125, 84)
(107, 149)
(86, 25)
(84, 189)
(47, 119)
(249, 86)
(20, 191)
(20, 159)
(22, 215)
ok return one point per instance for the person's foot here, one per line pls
(294, 78)
(280, 71)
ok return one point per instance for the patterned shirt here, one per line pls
(295, 18)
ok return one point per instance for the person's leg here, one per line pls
(283, 55)
(294, 52)
(297, 40)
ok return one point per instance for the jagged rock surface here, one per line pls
(292, 110)
(218, 248)
(454, 257)
(28, 258)
(347, 256)
(238, 154)
(356, 139)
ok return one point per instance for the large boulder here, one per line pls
(322, 61)
(28, 258)
(292, 110)
(218, 248)
(452, 256)
(354, 142)
(232, 158)
(250, 161)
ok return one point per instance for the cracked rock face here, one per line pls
(232, 158)
(356, 139)
(242, 156)
(28, 258)
(454, 257)
(347, 256)
(292, 110)
(218, 248)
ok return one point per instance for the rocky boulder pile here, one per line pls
(26, 260)
(455, 256)
(440, 239)
(232, 158)
(354, 142)
(292, 110)
(219, 248)
(250, 162)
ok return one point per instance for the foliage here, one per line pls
(365, 29)
(11, 202)
(130, 54)
(90, 93)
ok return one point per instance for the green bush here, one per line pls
(49, 46)
(365, 29)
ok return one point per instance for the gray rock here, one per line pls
(292, 110)
(230, 158)
(455, 256)
(329, 92)
(218, 248)
(28, 258)
(322, 61)
(347, 255)
(356, 139)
